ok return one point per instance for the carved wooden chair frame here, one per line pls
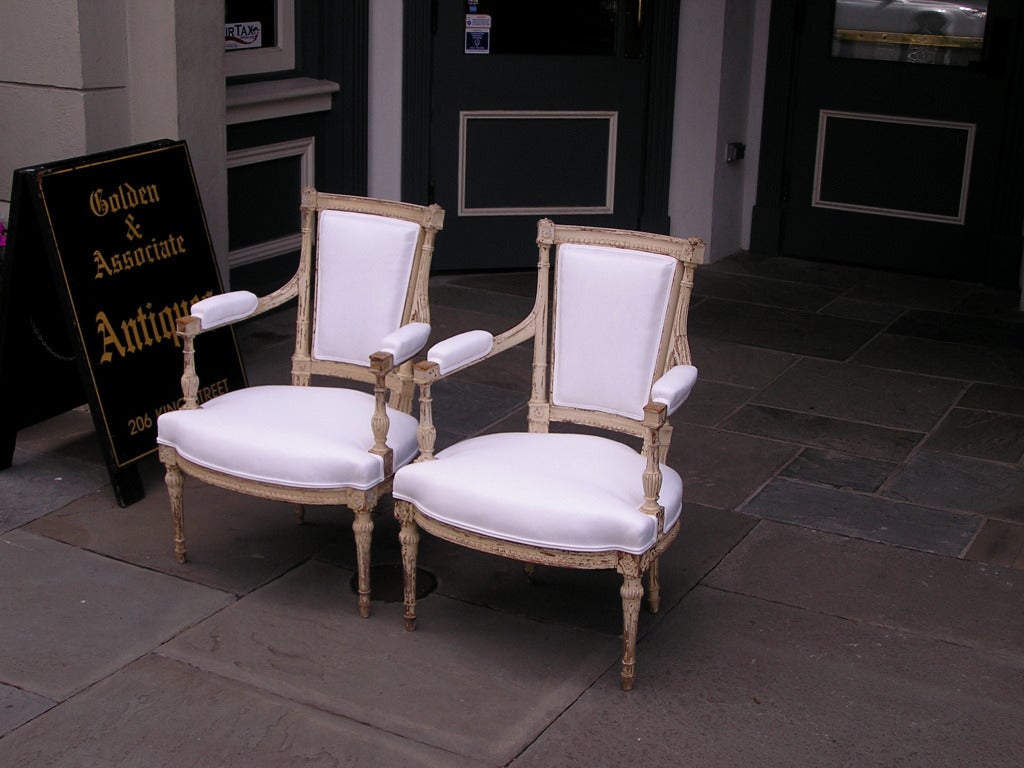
(392, 384)
(654, 429)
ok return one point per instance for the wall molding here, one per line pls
(305, 150)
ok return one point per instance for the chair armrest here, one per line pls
(674, 386)
(461, 350)
(224, 308)
(405, 342)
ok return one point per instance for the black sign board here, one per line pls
(104, 254)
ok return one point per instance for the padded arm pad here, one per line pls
(675, 386)
(224, 308)
(406, 341)
(460, 350)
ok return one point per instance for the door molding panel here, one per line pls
(991, 225)
(660, 37)
(926, 166)
(492, 166)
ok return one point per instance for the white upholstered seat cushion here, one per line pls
(301, 437)
(574, 492)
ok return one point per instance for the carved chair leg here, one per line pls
(300, 514)
(409, 536)
(362, 527)
(632, 592)
(653, 587)
(176, 489)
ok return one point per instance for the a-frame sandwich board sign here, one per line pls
(104, 253)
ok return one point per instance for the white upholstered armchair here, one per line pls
(362, 313)
(613, 354)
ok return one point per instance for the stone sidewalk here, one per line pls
(846, 589)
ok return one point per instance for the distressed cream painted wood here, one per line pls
(652, 427)
(392, 381)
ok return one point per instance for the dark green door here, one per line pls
(541, 109)
(901, 150)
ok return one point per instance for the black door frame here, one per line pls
(661, 35)
(1006, 242)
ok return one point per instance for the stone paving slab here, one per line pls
(966, 604)
(737, 364)
(810, 429)
(72, 617)
(471, 681)
(785, 330)
(787, 269)
(466, 408)
(158, 712)
(71, 433)
(756, 290)
(839, 470)
(906, 290)
(518, 282)
(869, 311)
(699, 455)
(17, 707)
(998, 543)
(710, 402)
(981, 434)
(997, 366)
(866, 517)
(858, 393)
(35, 485)
(731, 680)
(961, 329)
(512, 298)
(942, 480)
(265, 345)
(235, 542)
(987, 397)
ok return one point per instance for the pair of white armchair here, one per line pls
(610, 351)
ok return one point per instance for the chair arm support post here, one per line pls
(426, 373)
(188, 328)
(655, 417)
(381, 364)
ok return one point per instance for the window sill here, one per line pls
(250, 102)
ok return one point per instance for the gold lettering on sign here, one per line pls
(152, 252)
(124, 198)
(210, 391)
(147, 327)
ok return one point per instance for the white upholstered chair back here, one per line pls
(610, 314)
(364, 263)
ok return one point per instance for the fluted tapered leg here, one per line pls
(176, 489)
(362, 527)
(632, 592)
(409, 537)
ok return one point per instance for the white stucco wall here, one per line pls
(695, 137)
(83, 76)
(762, 10)
(62, 77)
(385, 100)
(199, 41)
(719, 86)
(727, 202)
